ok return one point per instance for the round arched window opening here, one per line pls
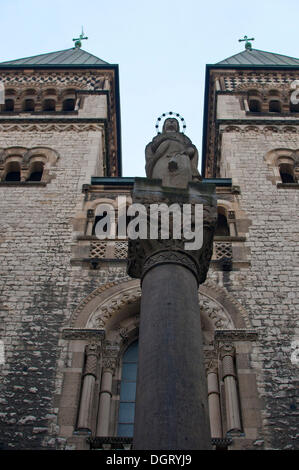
(9, 105)
(286, 173)
(49, 105)
(274, 106)
(36, 172)
(222, 228)
(28, 105)
(254, 106)
(68, 104)
(13, 172)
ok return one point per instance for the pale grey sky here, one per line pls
(161, 47)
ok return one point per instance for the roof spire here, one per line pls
(248, 45)
(78, 40)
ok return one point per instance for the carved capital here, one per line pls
(227, 349)
(144, 254)
(169, 257)
(227, 352)
(109, 364)
(91, 352)
(110, 359)
(90, 214)
(211, 367)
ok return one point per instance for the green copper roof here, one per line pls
(68, 57)
(256, 57)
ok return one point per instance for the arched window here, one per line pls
(13, 172)
(254, 106)
(36, 172)
(28, 105)
(294, 108)
(222, 228)
(274, 106)
(105, 213)
(68, 104)
(9, 105)
(49, 105)
(126, 412)
(97, 219)
(286, 171)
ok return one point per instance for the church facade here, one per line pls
(69, 310)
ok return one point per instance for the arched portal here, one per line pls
(108, 319)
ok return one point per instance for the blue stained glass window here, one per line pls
(128, 391)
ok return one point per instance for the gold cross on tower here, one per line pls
(248, 45)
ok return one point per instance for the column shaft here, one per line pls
(214, 405)
(231, 395)
(105, 403)
(171, 400)
(86, 403)
(84, 421)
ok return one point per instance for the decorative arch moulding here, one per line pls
(221, 310)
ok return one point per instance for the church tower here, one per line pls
(59, 126)
(251, 135)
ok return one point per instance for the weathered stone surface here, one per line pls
(171, 402)
(172, 157)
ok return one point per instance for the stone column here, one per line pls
(232, 223)
(90, 221)
(171, 411)
(171, 401)
(105, 396)
(89, 378)
(214, 402)
(230, 389)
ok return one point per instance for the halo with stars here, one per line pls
(170, 114)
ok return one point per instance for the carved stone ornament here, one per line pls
(91, 352)
(215, 312)
(100, 317)
(109, 364)
(171, 250)
(211, 366)
(227, 349)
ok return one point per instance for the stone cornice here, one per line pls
(259, 126)
(83, 333)
(236, 335)
(20, 75)
(53, 119)
(261, 122)
(116, 442)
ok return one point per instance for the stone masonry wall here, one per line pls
(35, 252)
(269, 288)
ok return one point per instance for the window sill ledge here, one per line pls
(288, 185)
(23, 183)
(218, 238)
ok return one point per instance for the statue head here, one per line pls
(171, 125)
